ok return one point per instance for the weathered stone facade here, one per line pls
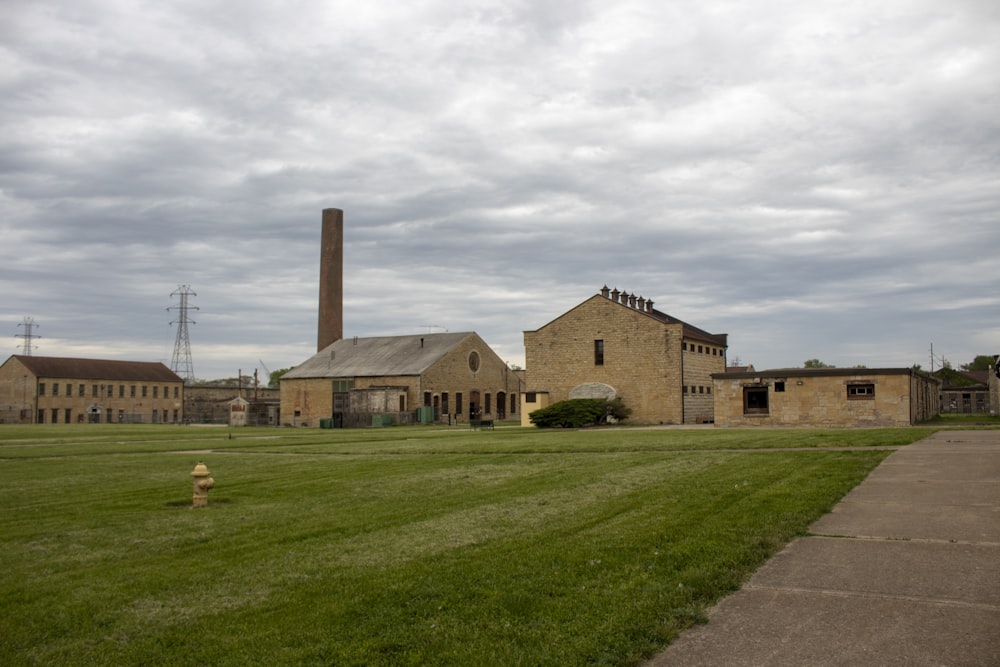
(62, 390)
(661, 367)
(457, 375)
(825, 397)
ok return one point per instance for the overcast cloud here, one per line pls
(816, 179)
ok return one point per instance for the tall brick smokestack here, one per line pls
(331, 279)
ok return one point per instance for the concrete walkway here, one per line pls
(904, 571)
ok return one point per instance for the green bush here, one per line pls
(580, 412)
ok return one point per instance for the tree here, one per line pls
(982, 362)
(816, 363)
(274, 379)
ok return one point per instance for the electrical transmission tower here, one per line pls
(28, 335)
(181, 362)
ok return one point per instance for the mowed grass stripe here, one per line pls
(426, 557)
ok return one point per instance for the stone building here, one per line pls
(354, 382)
(617, 344)
(63, 390)
(825, 397)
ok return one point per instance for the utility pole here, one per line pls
(28, 335)
(181, 362)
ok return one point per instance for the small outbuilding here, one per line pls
(825, 397)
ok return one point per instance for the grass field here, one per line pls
(396, 546)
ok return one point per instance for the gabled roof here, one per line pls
(689, 331)
(97, 369)
(378, 357)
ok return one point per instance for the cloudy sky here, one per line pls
(816, 179)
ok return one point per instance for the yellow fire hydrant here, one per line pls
(202, 483)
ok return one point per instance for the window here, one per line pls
(121, 391)
(473, 361)
(779, 386)
(93, 391)
(339, 386)
(699, 348)
(599, 352)
(144, 391)
(81, 390)
(55, 388)
(69, 389)
(529, 397)
(69, 416)
(177, 391)
(755, 400)
(156, 392)
(861, 391)
(132, 391)
(513, 403)
(41, 388)
(458, 402)
(488, 403)
(445, 408)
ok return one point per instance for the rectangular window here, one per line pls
(69, 415)
(445, 408)
(55, 415)
(93, 391)
(340, 385)
(121, 391)
(699, 348)
(156, 392)
(144, 388)
(529, 397)
(81, 390)
(69, 389)
(132, 391)
(41, 388)
(177, 391)
(488, 403)
(513, 403)
(55, 388)
(779, 386)
(755, 400)
(598, 352)
(458, 402)
(861, 391)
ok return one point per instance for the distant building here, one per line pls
(825, 397)
(964, 392)
(211, 404)
(356, 382)
(63, 390)
(617, 344)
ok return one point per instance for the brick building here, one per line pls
(62, 390)
(617, 344)
(364, 381)
(826, 397)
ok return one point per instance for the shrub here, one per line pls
(580, 412)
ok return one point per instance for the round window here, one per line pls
(473, 361)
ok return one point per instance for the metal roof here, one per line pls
(378, 356)
(97, 369)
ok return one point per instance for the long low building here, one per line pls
(825, 397)
(65, 390)
(444, 377)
